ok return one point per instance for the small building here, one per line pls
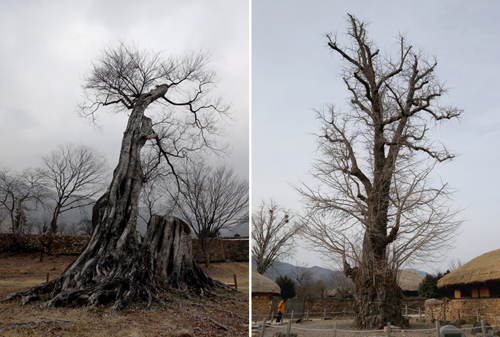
(263, 291)
(478, 278)
(409, 282)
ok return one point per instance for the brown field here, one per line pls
(198, 317)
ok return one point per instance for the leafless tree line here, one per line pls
(70, 178)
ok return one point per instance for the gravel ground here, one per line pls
(320, 328)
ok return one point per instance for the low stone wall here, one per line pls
(31, 243)
(331, 305)
(469, 309)
(334, 305)
(221, 249)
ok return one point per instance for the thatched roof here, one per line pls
(484, 268)
(261, 284)
(340, 292)
(409, 280)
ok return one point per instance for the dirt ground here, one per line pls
(320, 328)
(178, 317)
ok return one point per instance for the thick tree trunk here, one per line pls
(116, 265)
(379, 303)
(205, 243)
(52, 229)
(20, 230)
(378, 297)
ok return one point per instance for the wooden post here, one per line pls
(432, 314)
(388, 329)
(406, 310)
(419, 313)
(272, 316)
(47, 277)
(495, 317)
(291, 317)
(335, 330)
(324, 314)
(483, 327)
(288, 328)
(437, 328)
(235, 283)
(263, 327)
(477, 315)
(307, 316)
(256, 316)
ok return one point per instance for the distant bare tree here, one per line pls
(319, 289)
(454, 263)
(210, 200)
(304, 282)
(376, 207)
(85, 226)
(272, 235)
(344, 285)
(76, 174)
(16, 191)
(3, 223)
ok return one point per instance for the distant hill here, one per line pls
(419, 272)
(283, 268)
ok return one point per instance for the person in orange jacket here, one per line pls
(281, 310)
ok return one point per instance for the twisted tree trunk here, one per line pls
(117, 265)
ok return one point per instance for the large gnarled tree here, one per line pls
(118, 266)
(376, 207)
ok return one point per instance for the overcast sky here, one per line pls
(293, 72)
(47, 47)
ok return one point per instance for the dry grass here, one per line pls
(197, 317)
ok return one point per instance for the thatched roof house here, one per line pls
(409, 280)
(480, 277)
(263, 285)
(263, 290)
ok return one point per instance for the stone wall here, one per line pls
(221, 250)
(338, 306)
(470, 309)
(261, 303)
(317, 306)
(31, 243)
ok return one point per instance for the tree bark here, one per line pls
(117, 266)
(375, 306)
(205, 244)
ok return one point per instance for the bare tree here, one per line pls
(117, 265)
(76, 174)
(3, 223)
(377, 208)
(343, 285)
(84, 226)
(272, 235)
(19, 192)
(454, 263)
(210, 200)
(303, 278)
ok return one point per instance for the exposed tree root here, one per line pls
(164, 261)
